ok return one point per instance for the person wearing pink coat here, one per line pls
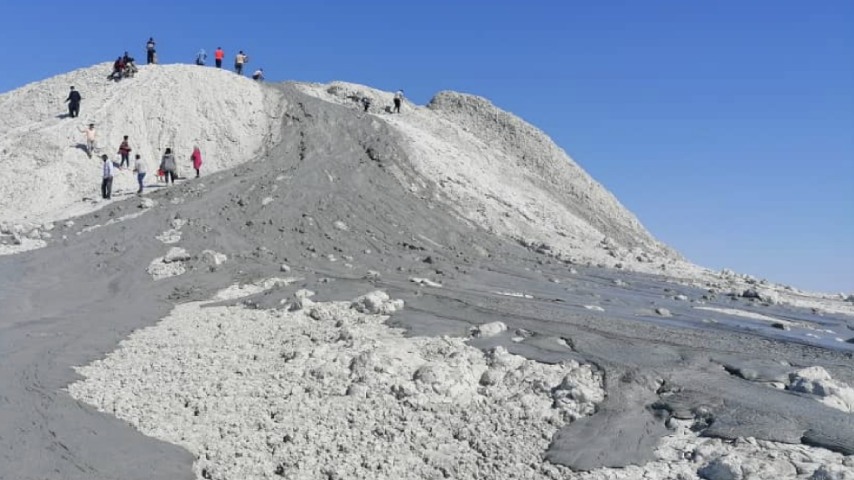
(197, 159)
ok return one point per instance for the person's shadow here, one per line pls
(64, 115)
(85, 148)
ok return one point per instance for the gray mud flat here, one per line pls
(72, 302)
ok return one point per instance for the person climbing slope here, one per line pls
(73, 101)
(140, 169)
(124, 151)
(150, 51)
(219, 54)
(168, 165)
(258, 75)
(201, 56)
(107, 177)
(398, 99)
(197, 159)
(90, 139)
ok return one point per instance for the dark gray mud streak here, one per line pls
(72, 302)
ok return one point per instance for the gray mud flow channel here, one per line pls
(72, 302)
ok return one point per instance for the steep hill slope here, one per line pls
(44, 172)
(502, 173)
(488, 166)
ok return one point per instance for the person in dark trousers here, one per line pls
(398, 99)
(107, 177)
(239, 60)
(150, 51)
(366, 103)
(73, 103)
(118, 69)
(201, 56)
(124, 151)
(168, 166)
(196, 157)
(219, 54)
(140, 169)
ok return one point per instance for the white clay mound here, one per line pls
(44, 172)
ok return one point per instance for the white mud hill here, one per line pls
(46, 172)
(507, 176)
(437, 294)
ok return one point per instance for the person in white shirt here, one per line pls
(258, 75)
(90, 139)
(239, 60)
(107, 177)
(140, 169)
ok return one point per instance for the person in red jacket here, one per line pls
(197, 160)
(124, 151)
(218, 56)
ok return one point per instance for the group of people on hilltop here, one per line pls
(240, 60)
(123, 67)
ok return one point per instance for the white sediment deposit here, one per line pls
(327, 390)
(44, 172)
(331, 390)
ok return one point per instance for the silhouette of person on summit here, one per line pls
(398, 99)
(150, 51)
(201, 56)
(73, 101)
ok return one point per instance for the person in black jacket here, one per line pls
(73, 103)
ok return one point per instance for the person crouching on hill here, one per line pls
(258, 75)
(168, 165)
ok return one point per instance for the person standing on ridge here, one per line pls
(398, 99)
(201, 56)
(168, 165)
(219, 54)
(140, 169)
(107, 177)
(366, 103)
(239, 60)
(90, 139)
(150, 51)
(124, 151)
(258, 75)
(73, 101)
(197, 159)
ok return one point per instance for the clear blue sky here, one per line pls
(726, 126)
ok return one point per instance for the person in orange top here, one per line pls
(218, 56)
